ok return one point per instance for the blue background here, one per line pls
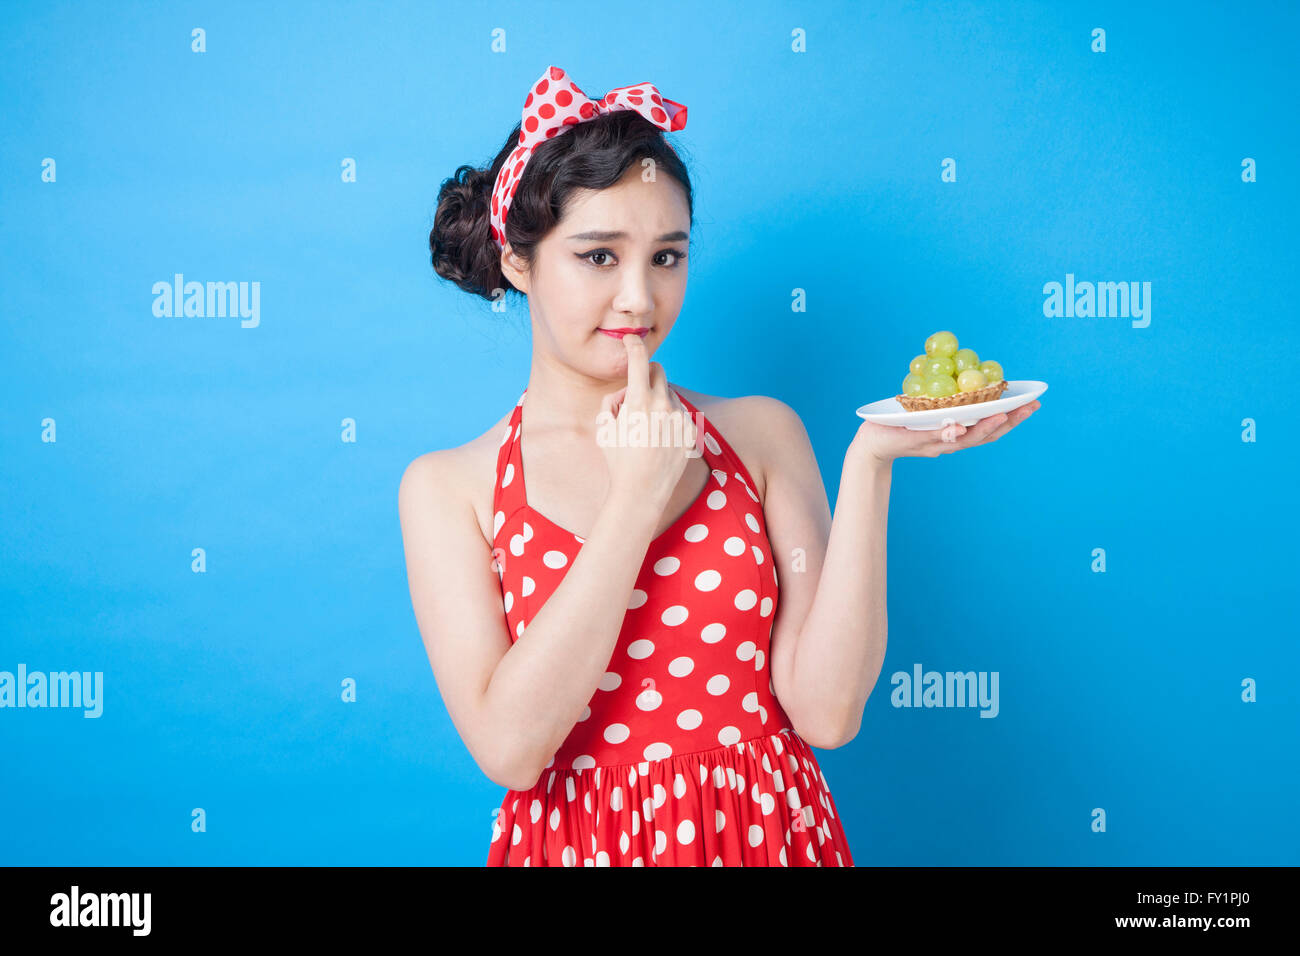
(817, 171)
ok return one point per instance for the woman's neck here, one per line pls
(564, 400)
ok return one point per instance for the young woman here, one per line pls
(639, 637)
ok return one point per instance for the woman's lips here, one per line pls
(619, 333)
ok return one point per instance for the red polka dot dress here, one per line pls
(683, 757)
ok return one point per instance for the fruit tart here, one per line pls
(946, 376)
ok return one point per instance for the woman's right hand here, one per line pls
(646, 433)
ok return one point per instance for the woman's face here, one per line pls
(616, 260)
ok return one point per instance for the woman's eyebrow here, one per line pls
(597, 235)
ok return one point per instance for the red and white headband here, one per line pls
(554, 102)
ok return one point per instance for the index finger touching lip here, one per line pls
(638, 369)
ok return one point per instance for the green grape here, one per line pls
(992, 370)
(965, 358)
(968, 380)
(913, 384)
(939, 386)
(938, 365)
(917, 364)
(941, 343)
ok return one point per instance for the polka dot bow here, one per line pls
(555, 102)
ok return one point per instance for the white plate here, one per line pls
(887, 411)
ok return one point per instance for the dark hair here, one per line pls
(592, 155)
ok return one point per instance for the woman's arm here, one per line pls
(514, 705)
(828, 638)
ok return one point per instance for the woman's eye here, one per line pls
(599, 257)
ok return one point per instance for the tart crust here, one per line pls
(923, 403)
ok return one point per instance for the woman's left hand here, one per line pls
(887, 442)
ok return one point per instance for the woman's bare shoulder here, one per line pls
(749, 423)
(460, 476)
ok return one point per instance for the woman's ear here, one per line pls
(512, 267)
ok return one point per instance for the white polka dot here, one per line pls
(758, 660)
(519, 835)
(661, 842)
(517, 544)
(745, 650)
(758, 553)
(528, 585)
(674, 615)
(718, 684)
(617, 733)
(528, 531)
(681, 666)
(716, 499)
(586, 712)
(554, 818)
(707, 580)
(696, 532)
(679, 785)
(638, 598)
(746, 599)
(602, 858)
(753, 524)
(554, 559)
(616, 799)
(712, 443)
(667, 565)
(755, 835)
(660, 795)
(582, 762)
(734, 546)
(685, 832)
(713, 633)
(497, 522)
(519, 629)
(689, 719)
(505, 435)
(649, 700)
(657, 751)
(509, 601)
(509, 474)
(749, 703)
(609, 681)
(721, 475)
(642, 649)
(570, 855)
(765, 607)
